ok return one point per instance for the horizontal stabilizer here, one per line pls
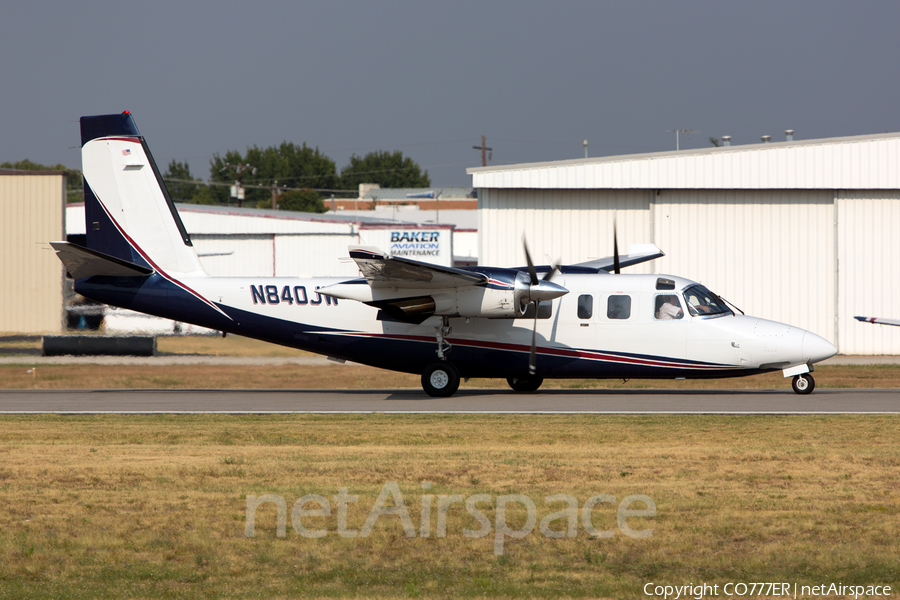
(878, 321)
(83, 262)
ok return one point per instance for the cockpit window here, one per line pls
(665, 284)
(702, 302)
(668, 307)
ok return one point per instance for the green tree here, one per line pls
(74, 186)
(387, 169)
(299, 200)
(288, 164)
(176, 177)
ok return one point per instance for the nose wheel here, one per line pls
(803, 384)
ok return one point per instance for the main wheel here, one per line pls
(440, 379)
(803, 384)
(524, 384)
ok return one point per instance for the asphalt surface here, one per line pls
(822, 401)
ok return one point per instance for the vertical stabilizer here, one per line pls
(127, 209)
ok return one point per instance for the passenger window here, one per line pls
(585, 306)
(618, 307)
(668, 307)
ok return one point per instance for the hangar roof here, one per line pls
(858, 162)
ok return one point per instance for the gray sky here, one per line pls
(430, 78)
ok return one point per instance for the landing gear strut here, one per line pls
(441, 333)
(803, 384)
(441, 378)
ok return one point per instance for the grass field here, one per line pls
(156, 506)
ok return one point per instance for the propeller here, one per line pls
(538, 291)
(616, 268)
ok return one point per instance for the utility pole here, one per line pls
(275, 195)
(237, 190)
(484, 149)
(585, 142)
(686, 133)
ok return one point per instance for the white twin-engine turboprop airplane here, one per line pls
(525, 324)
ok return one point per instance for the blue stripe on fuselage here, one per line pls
(158, 296)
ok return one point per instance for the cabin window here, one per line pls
(665, 284)
(618, 307)
(667, 307)
(585, 306)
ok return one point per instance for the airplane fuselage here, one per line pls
(587, 334)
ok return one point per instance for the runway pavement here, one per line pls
(738, 402)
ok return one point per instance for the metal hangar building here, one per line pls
(803, 232)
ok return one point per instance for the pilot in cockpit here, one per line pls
(668, 307)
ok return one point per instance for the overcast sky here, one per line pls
(430, 78)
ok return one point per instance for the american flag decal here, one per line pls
(126, 151)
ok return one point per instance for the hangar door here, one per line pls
(770, 252)
(869, 270)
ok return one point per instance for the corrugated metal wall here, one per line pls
(868, 232)
(567, 225)
(771, 252)
(31, 214)
(315, 255)
(236, 255)
(862, 162)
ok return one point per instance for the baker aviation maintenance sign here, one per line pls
(425, 244)
(417, 244)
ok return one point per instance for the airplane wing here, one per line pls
(637, 253)
(382, 271)
(878, 321)
(84, 262)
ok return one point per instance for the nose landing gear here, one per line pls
(803, 384)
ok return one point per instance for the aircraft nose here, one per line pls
(816, 349)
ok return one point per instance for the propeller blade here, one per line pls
(554, 267)
(531, 272)
(532, 359)
(615, 250)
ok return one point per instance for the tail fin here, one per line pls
(128, 212)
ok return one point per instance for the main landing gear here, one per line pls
(441, 378)
(803, 384)
(525, 384)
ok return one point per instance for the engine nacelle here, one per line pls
(501, 298)
(485, 302)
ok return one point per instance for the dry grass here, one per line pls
(154, 506)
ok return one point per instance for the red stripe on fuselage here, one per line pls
(565, 352)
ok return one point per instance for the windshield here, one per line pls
(702, 302)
